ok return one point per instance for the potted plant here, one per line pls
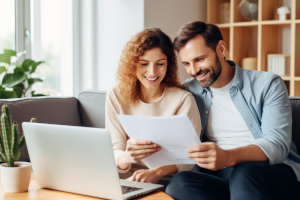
(15, 176)
(17, 78)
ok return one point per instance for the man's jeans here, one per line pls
(246, 181)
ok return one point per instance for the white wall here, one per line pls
(117, 22)
(170, 15)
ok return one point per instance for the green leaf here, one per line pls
(2, 69)
(27, 63)
(17, 64)
(10, 52)
(19, 89)
(10, 94)
(11, 80)
(34, 66)
(33, 80)
(19, 70)
(2, 91)
(37, 95)
(5, 58)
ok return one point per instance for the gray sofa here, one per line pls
(88, 110)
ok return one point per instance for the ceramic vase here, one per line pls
(16, 179)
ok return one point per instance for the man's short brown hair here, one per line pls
(211, 34)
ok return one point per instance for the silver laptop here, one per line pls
(78, 160)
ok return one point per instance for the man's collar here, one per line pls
(237, 79)
(238, 75)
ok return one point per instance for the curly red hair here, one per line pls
(129, 85)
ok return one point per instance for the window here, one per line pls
(52, 41)
(7, 21)
(51, 28)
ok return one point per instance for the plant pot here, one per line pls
(16, 179)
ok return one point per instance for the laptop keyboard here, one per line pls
(127, 189)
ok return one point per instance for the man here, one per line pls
(246, 120)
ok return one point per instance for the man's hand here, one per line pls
(146, 176)
(209, 156)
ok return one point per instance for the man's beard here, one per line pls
(214, 73)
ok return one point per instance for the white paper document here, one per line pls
(175, 134)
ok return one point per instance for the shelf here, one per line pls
(269, 8)
(267, 35)
(237, 16)
(275, 39)
(252, 23)
(297, 89)
(297, 51)
(214, 11)
(287, 84)
(256, 23)
(244, 43)
(276, 22)
(226, 25)
(286, 78)
(226, 37)
(297, 9)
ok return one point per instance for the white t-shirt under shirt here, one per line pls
(226, 127)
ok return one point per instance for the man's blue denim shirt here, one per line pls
(262, 100)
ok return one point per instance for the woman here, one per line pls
(148, 86)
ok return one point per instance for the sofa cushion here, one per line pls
(92, 108)
(51, 110)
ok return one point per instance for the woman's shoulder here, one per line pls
(175, 91)
(114, 90)
(179, 95)
(182, 98)
(114, 93)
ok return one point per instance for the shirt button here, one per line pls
(206, 112)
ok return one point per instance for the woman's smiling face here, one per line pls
(152, 68)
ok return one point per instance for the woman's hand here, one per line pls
(136, 150)
(146, 176)
(153, 175)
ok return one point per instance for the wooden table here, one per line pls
(37, 193)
